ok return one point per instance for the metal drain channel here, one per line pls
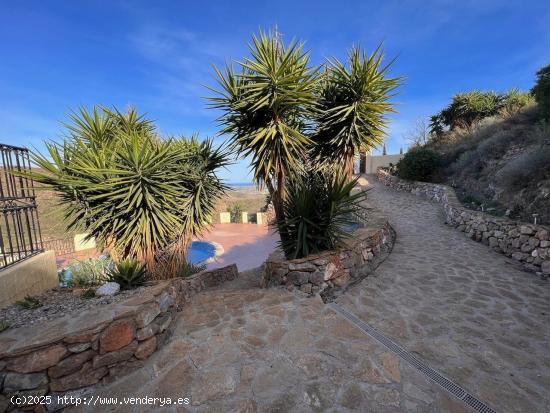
(433, 375)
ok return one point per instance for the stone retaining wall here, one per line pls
(97, 346)
(327, 272)
(526, 243)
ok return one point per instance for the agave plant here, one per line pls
(319, 210)
(353, 100)
(128, 273)
(137, 194)
(265, 108)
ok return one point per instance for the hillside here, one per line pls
(500, 165)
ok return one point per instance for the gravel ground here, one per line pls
(57, 303)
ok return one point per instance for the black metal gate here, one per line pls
(20, 236)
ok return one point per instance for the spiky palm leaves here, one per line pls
(353, 100)
(140, 196)
(264, 107)
(291, 120)
(318, 210)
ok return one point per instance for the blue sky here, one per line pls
(58, 55)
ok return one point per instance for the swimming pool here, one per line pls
(200, 251)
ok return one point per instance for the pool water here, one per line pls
(200, 251)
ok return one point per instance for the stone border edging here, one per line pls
(330, 272)
(527, 243)
(98, 346)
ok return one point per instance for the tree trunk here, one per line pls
(277, 197)
(349, 166)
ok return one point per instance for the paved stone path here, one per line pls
(458, 306)
(467, 311)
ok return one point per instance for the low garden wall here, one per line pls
(524, 242)
(96, 346)
(330, 271)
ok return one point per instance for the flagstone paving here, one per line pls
(465, 310)
(244, 349)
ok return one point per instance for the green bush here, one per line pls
(187, 269)
(127, 273)
(541, 91)
(4, 326)
(419, 164)
(88, 293)
(318, 210)
(88, 273)
(468, 108)
(236, 212)
(528, 167)
(137, 194)
(513, 101)
(29, 303)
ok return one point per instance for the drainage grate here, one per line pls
(433, 375)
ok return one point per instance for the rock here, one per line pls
(545, 244)
(30, 396)
(518, 256)
(545, 267)
(298, 278)
(163, 322)
(147, 314)
(303, 266)
(390, 362)
(165, 301)
(4, 403)
(306, 288)
(70, 364)
(543, 235)
(526, 230)
(342, 279)
(16, 381)
(415, 392)
(38, 360)
(77, 348)
(330, 270)
(81, 338)
(115, 356)
(146, 348)
(367, 372)
(214, 384)
(526, 248)
(353, 397)
(316, 278)
(118, 335)
(108, 289)
(147, 331)
(387, 397)
(86, 376)
(122, 369)
(493, 242)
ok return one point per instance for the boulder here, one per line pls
(108, 289)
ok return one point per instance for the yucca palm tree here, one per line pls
(353, 100)
(138, 195)
(265, 107)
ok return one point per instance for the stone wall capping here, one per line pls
(522, 241)
(77, 351)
